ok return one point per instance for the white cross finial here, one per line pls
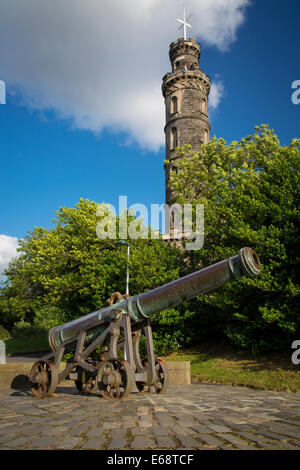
(184, 24)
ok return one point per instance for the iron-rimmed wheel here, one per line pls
(162, 381)
(44, 378)
(162, 376)
(115, 378)
(86, 381)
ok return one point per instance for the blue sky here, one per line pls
(57, 144)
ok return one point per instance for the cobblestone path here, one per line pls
(197, 416)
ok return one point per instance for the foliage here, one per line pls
(65, 272)
(24, 329)
(250, 192)
(4, 334)
(48, 316)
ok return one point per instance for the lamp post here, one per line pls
(124, 243)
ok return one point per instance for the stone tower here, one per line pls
(185, 91)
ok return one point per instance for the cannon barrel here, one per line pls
(139, 307)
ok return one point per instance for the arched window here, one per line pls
(203, 106)
(205, 137)
(174, 138)
(174, 104)
(177, 65)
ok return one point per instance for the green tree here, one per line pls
(65, 272)
(250, 192)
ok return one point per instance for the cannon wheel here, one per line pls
(115, 378)
(162, 382)
(87, 381)
(44, 378)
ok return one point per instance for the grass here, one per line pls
(221, 364)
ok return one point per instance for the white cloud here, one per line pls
(8, 250)
(100, 63)
(217, 91)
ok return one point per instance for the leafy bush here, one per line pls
(23, 329)
(48, 316)
(4, 334)
(67, 271)
(250, 192)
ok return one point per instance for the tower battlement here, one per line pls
(194, 78)
(184, 53)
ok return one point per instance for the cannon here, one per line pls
(113, 333)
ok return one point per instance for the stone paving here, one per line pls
(196, 416)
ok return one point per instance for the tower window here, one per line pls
(174, 138)
(177, 65)
(174, 105)
(205, 137)
(203, 106)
